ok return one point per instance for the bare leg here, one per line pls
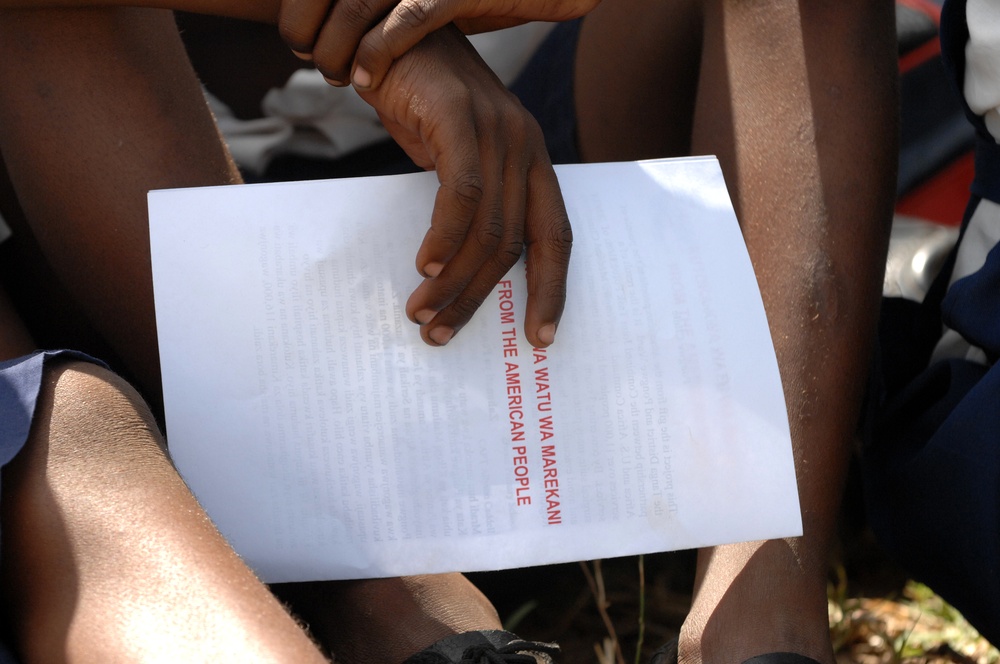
(797, 100)
(105, 548)
(360, 621)
(635, 79)
(107, 556)
(108, 110)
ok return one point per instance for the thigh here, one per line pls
(36, 310)
(636, 79)
(106, 554)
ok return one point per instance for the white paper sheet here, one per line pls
(328, 442)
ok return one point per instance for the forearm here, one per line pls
(98, 107)
(800, 108)
(254, 10)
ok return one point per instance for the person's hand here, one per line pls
(498, 192)
(371, 34)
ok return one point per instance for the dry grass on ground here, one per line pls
(917, 627)
(884, 620)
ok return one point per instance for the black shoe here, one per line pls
(668, 655)
(486, 647)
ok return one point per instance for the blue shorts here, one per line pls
(20, 384)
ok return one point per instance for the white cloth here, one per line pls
(982, 92)
(982, 62)
(982, 234)
(309, 117)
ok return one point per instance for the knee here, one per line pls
(88, 412)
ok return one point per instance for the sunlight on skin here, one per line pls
(151, 578)
(782, 84)
(226, 613)
(779, 86)
(793, 110)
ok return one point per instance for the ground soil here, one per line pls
(557, 603)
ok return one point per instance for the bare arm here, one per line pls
(110, 109)
(331, 33)
(358, 40)
(265, 11)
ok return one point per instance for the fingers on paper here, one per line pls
(491, 246)
(549, 241)
(465, 229)
(519, 205)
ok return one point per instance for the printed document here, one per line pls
(327, 441)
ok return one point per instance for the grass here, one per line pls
(619, 611)
(915, 628)
(918, 627)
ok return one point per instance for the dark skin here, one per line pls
(109, 110)
(357, 41)
(498, 194)
(106, 555)
(477, 230)
(505, 178)
(780, 87)
(773, 89)
(777, 88)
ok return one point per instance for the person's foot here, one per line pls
(756, 598)
(380, 621)
(485, 646)
(667, 654)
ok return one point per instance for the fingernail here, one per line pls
(303, 55)
(362, 78)
(425, 316)
(433, 269)
(441, 335)
(547, 333)
(335, 83)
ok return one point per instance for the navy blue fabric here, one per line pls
(6, 656)
(972, 306)
(933, 486)
(20, 381)
(545, 88)
(954, 36)
(932, 125)
(932, 465)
